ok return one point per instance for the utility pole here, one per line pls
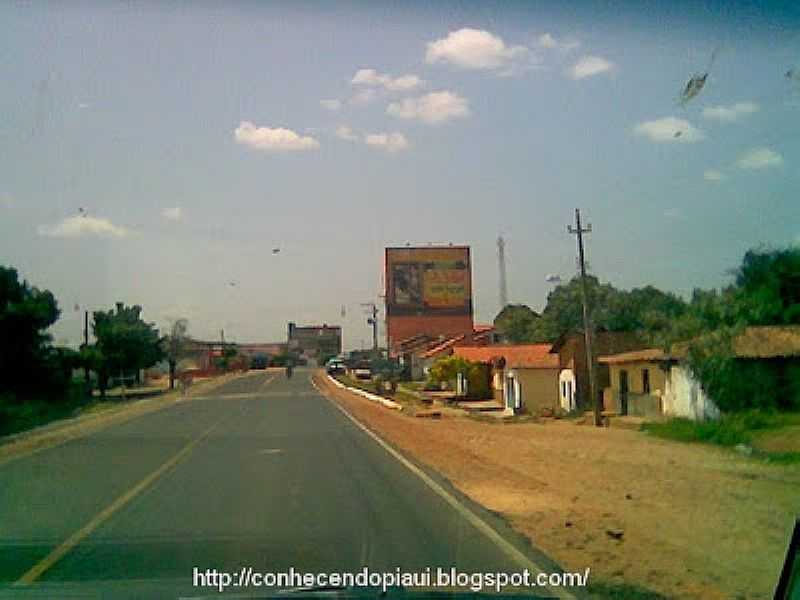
(86, 343)
(373, 321)
(587, 320)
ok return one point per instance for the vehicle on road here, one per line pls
(362, 370)
(259, 361)
(334, 366)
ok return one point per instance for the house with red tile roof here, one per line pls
(524, 377)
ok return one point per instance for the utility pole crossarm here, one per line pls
(373, 321)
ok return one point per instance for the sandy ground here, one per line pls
(697, 521)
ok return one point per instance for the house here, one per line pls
(574, 373)
(637, 382)
(524, 377)
(653, 382)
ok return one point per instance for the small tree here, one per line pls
(175, 346)
(126, 343)
(448, 368)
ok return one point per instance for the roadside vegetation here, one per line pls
(753, 431)
(41, 382)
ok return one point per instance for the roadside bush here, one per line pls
(730, 430)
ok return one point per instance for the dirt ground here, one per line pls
(697, 521)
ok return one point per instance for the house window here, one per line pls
(646, 381)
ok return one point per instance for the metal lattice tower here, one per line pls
(501, 264)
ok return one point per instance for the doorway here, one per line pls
(623, 392)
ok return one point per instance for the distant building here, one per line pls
(315, 341)
(269, 349)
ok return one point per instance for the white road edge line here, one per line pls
(475, 520)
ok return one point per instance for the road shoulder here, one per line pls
(59, 432)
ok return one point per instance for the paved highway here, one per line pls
(263, 472)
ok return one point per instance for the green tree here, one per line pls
(765, 291)
(768, 287)
(639, 309)
(447, 369)
(26, 359)
(125, 342)
(515, 323)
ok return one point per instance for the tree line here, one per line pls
(32, 367)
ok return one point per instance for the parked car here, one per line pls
(334, 366)
(363, 370)
(259, 361)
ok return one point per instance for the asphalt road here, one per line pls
(264, 472)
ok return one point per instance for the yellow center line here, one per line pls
(76, 538)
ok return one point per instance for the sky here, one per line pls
(157, 153)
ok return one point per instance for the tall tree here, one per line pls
(25, 314)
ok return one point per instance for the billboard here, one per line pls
(428, 281)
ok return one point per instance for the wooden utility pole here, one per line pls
(587, 316)
(86, 344)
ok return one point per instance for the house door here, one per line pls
(512, 392)
(623, 392)
(566, 382)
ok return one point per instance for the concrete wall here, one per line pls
(538, 389)
(635, 378)
(685, 398)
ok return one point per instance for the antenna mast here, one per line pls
(501, 264)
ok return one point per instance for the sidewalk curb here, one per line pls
(374, 397)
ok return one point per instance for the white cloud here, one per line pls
(391, 142)
(730, 113)
(82, 226)
(674, 213)
(344, 132)
(546, 40)
(589, 66)
(363, 97)
(277, 140)
(331, 104)
(713, 175)
(474, 49)
(669, 129)
(173, 214)
(432, 108)
(760, 158)
(371, 78)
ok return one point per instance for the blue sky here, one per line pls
(196, 137)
